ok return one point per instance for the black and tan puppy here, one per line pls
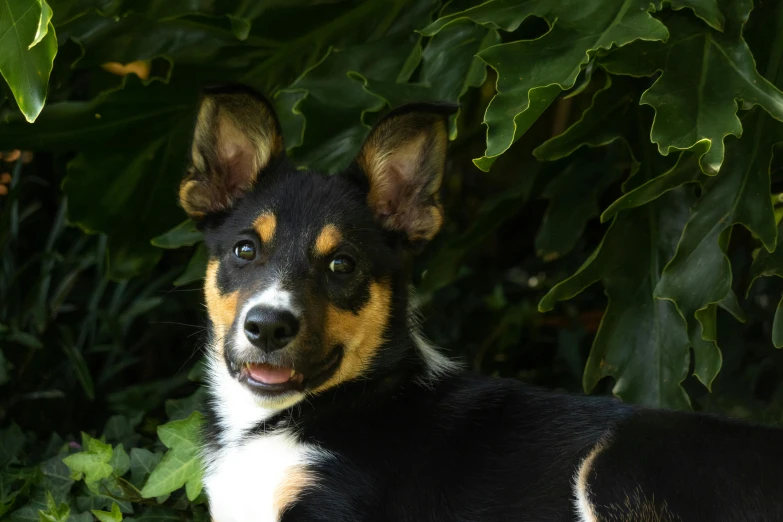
(328, 405)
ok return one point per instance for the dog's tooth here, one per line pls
(292, 373)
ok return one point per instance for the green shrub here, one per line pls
(622, 142)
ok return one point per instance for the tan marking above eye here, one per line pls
(328, 240)
(360, 334)
(222, 308)
(265, 225)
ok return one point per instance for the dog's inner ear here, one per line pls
(403, 159)
(236, 136)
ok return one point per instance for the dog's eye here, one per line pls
(245, 250)
(342, 265)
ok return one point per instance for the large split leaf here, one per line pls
(335, 102)
(699, 276)
(529, 69)
(703, 73)
(767, 264)
(573, 200)
(448, 68)
(642, 342)
(27, 48)
(609, 118)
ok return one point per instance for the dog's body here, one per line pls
(327, 405)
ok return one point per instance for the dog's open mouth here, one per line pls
(271, 378)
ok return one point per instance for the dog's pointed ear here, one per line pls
(403, 160)
(237, 135)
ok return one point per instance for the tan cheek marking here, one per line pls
(328, 240)
(286, 493)
(265, 225)
(222, 308)
(361, 334)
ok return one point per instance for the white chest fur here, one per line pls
(252, 477)
(253, 482)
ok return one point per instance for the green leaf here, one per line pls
(707, 10)
(93, 463)
(142, 462)
(120, 462)
(699, 275)
(703, 73)
(642, 342)
(181, 465)
(609, 118)
(686, 170)
(109, 516)
(336, 103)
(54, 512)
(43, 24)
(551, 62)
(573, 200)
(184, 234)
(196, 268)
(11, 444)
(27, 52)
(448, 68)
(80, 369)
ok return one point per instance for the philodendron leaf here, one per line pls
(27, 52)
(707, 10)
(767, 264)
(703, 73)
(607, 119)
(699, 275)
(184, 234)
(448, 68)
(526, 69)
(181, 465)
(573, 200)
(642, 341)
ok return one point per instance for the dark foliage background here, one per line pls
(101, 315)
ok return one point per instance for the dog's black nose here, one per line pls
(269, 328)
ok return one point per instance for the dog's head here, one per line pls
(306, 280)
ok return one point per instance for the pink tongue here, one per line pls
(268, 374)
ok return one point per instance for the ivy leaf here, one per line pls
(55, 512)
(27, 52)
(642, 342)
(181, 465)
(142, 462)
(525, 68)
(120, 462)
(703, 73)
(109, 516)
(92, 464)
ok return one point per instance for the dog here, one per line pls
(327, 403)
